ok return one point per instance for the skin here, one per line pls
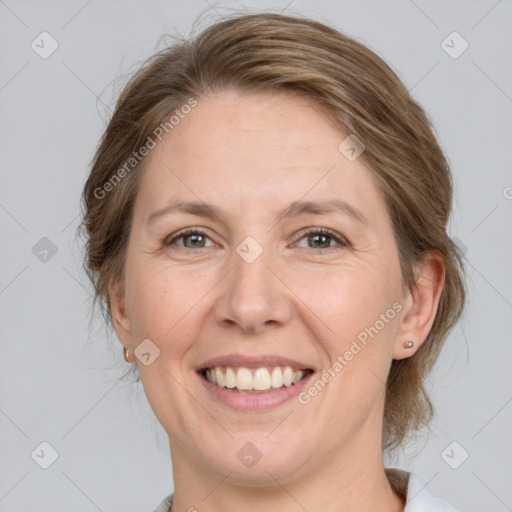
(252, 155)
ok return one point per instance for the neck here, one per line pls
(357, 483)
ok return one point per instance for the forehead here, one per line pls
(229, 124)
(253, 149)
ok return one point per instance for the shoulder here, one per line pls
(165, 505)
(418, 497)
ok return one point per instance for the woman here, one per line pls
(266, 229)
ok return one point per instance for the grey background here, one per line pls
(60, 380)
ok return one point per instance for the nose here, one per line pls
(254, 296)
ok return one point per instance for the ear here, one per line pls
(420, 304)
(120, 318)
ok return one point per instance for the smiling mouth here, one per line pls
(254, 380)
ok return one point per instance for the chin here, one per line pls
(256, 460)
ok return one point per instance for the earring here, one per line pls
(126, 350)
(408, 344)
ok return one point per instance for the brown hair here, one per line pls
(359, 92)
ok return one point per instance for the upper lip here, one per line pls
(234, 361)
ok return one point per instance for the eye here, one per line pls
(321, 238)
(197, 238)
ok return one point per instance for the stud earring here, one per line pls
(126, 351)
(408, 344)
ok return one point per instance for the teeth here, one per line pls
(230, 378)
(261, 380)
(257, 379)
(244, 378)
(219, 377)
(287, 376)
(277, 378)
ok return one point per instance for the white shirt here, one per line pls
(408, 485)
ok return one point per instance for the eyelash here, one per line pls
(319, 231)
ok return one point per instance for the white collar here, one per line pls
(418, 498)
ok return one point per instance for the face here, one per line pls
(260, 282)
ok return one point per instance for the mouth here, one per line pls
(253, 383)
(263, 380)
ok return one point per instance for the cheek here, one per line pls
(159, 300)
(360, 310)
(349, 300)
(356, 325)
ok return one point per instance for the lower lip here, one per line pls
(255, 401)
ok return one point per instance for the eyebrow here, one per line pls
(295, 209)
